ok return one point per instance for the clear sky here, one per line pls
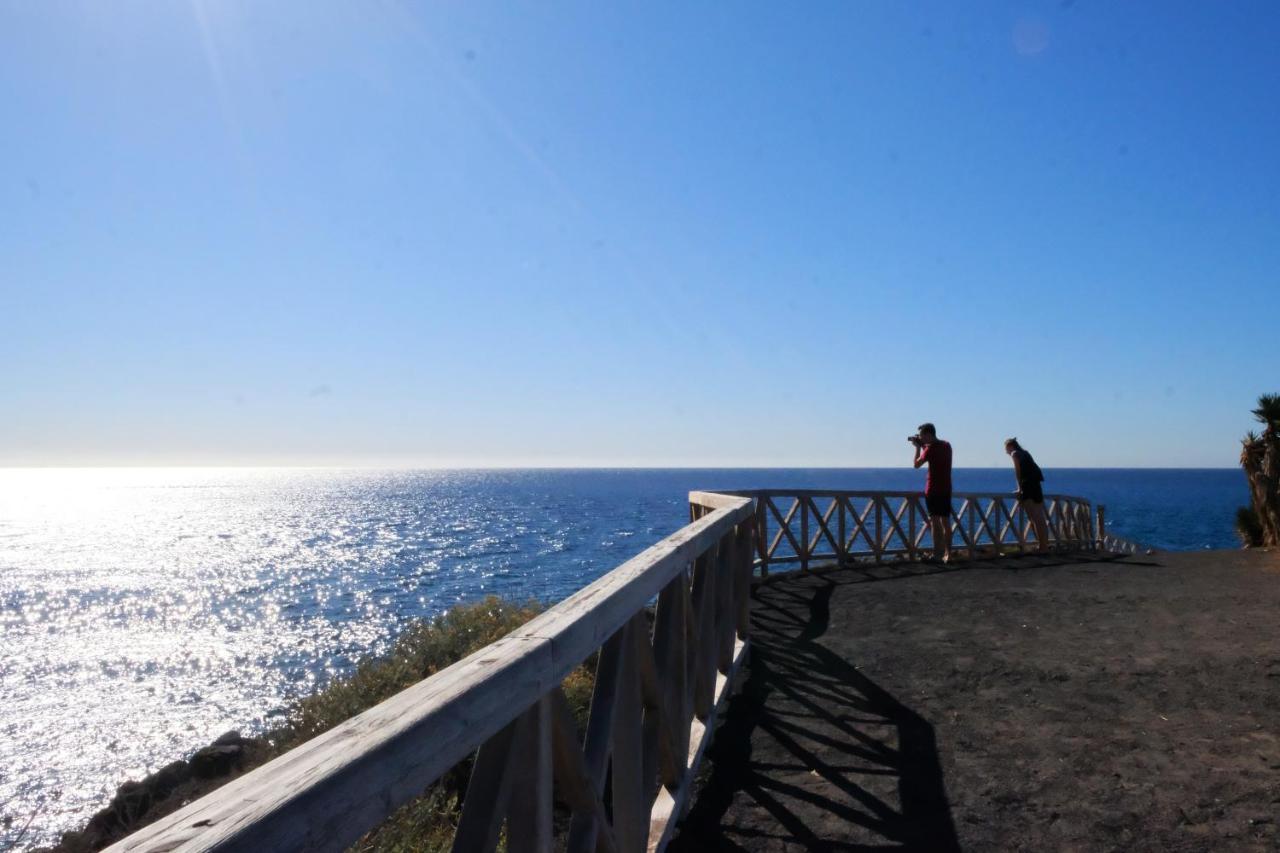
(635, 234)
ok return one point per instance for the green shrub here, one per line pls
(422, 649)
(1248, 527)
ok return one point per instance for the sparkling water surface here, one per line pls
(146, 611)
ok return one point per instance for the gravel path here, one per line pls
(1037, 704)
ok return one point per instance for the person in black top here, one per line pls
(1030, 491)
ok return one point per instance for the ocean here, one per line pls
(146, 611)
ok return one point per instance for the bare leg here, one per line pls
(1035, 511)
(940, 527)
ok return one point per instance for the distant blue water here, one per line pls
(145, 611)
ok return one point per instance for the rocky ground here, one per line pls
(1031, 704)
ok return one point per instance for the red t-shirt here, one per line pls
(938, 455)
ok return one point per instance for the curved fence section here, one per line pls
(662, 673)
(807, 527)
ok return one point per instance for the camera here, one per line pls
(914, 439)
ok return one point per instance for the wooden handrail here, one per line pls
(855, 493)
(658, 691)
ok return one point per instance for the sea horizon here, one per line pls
(371, 467)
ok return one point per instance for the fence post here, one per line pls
(841, 547)
(879, 531)
(742, 584)
(1102, 527)
(804, 533)
(973, 530)
(911, 528)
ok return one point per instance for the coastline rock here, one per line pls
(214, 761)
(231, 738)
(137, 803)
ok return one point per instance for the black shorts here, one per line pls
(1032, 492)
(939, 505)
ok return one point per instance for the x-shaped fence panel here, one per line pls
(807, 527)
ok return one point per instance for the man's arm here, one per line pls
(922, 455)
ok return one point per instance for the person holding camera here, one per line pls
(936, 453)
(1030, 491)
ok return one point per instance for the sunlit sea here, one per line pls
(147, 611)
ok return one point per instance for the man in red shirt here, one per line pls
(937, 486)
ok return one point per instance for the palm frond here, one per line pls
(1268, 411)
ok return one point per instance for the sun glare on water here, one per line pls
(147, 611)
(155, 608)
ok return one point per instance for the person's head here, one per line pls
(927, 432)
(1011, 444)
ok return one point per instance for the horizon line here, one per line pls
(286, 467)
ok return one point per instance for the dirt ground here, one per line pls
(1030, 704)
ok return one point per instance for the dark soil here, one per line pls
(1031, 704)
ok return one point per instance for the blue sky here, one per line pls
(635, 234)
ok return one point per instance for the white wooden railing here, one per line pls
(824, 526)
(658, 690)
(662, 677)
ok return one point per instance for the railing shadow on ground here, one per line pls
(829, 759)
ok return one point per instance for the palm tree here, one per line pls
(1260, 458)
(1268, 413)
